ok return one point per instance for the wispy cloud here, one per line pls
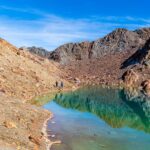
(23, 10)
(50, 31)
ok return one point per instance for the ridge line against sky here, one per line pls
(35, 27)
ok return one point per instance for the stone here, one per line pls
(130, 78)
(77, 80)
(10, 124)
(146, 86)
(34, 140)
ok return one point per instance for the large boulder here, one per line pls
(130, 78)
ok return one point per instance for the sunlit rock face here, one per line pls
(119, 108)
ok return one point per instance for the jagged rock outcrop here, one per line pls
(72, 52)
(140, 62)
(118, 41)
(141, 56)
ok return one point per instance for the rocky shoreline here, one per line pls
(21, 125)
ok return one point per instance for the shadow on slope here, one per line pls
(138, 57)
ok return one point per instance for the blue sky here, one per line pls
(50, 23)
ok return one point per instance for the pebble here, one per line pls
(53, 136)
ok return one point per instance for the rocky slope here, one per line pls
(24, 75)
(103, 61)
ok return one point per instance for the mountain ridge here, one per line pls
(118, 40)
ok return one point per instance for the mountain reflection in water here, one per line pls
(118, 108)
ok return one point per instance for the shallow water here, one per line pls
(98, 118)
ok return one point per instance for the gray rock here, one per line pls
(38, 51)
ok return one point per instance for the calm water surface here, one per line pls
(98, 118)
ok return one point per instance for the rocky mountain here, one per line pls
(38, 51)
(117, 41)
(32, 74)
(105, 60)
(122, 54)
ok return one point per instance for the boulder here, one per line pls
(10, 124)
(130, 78)
(77, 80)
(146, 86)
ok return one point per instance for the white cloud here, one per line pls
(50, 31)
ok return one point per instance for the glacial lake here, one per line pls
(96, 118)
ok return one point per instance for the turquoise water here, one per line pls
(98, 118)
